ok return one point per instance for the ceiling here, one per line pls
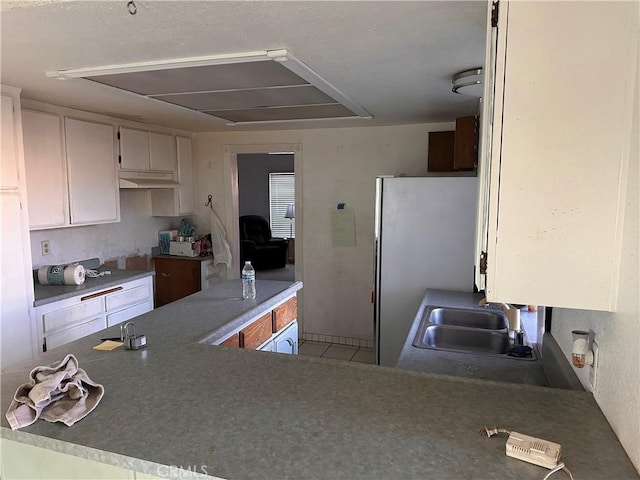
(393, 59)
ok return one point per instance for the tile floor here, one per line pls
(336, 351)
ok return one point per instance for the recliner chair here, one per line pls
(256, 244)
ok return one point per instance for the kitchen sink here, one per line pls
(472, 331)
(458, 317)
(469, 339)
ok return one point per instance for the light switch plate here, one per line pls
(593, 368)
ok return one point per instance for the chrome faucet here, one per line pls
(513, 317)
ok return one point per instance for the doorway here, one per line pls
(232, 210)
(266, 197)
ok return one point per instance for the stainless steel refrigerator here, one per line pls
(425, 231)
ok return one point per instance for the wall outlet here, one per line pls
(46, 247)
(593, 368)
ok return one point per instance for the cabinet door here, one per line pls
(555, 239)
(175, 279)
(45, 168)
(440, 155)
(8, 161)
(74, 333)
(287, 340)
(465, 148)
(93, 188)
(257, 333)
(134, 149)
(185, 176)
(162, 152)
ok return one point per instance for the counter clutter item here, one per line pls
(61, 392)
(70, 274)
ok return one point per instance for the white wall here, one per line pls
(135, 234)
(617, 389)
(339, 165)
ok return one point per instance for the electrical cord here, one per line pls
(560, 466)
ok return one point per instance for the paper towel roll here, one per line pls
(71, 274)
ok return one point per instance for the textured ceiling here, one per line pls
(395, 59)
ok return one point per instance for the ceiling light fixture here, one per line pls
(252, 87)
(468, 82)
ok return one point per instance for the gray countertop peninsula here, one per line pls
(250, 414)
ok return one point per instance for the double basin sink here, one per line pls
(483, 332)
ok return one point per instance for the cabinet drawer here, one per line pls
(127, 298)
(128, 313)
(232, 341)
(72, 315)
(74, 333)
(257, 333)
(285, 314)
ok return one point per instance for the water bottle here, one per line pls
(248, 281)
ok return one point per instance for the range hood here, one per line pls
(128, 179)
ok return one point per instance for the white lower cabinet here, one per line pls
(76, 317)
(286, 341)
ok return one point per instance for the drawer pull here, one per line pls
(99, 294)
(167, 275)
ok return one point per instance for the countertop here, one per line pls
(45, 294)
(249, 414)
(465, 364)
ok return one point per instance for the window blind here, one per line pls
(281, 193)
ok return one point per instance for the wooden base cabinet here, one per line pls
(273, 331)
(179, 277)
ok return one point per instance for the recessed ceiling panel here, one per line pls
(259, 86)
(228, 76)
(284, 113)
(250, 98)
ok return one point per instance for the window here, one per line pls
(282, 193)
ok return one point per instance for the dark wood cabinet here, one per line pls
(176, 278)
(454, 151)
(440, 156)
(465, 149)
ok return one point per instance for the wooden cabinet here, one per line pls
(141, 150)
(17, 328)
(440, 156)
(67, 320)
(178, 277)
(453, 151)
(284, 314)
(465, 148)
(91, 164)
(175, 202)
(257, 333)
(70, 171)
(273, 331)
(555, 174)
(46, 170)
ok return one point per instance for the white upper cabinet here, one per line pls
(162, 152)
(9, 170)
(559, 141)
(91, 162)
(46, 171)
(141, 150)
(134, 149)
(174, 202)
